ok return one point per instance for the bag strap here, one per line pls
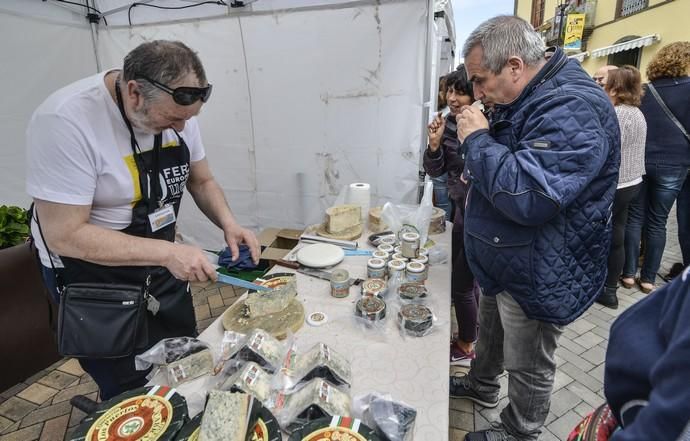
(668, 112)
(58, 285)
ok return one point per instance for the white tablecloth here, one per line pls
(412, 369)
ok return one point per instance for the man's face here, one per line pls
(488, 87)
(601, 76)
(456, 100)
(162, 112)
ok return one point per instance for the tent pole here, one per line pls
(94, 41)
(426, 95)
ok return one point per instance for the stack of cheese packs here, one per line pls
(226, 417)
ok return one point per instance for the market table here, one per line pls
(411, 369)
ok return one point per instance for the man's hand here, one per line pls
(470, 119)
(187, 262)
(435, 131)
(235, 235)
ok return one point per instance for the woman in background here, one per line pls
(443, 156)
(624, 88)
(667, 158)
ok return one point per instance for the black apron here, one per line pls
(163, 173)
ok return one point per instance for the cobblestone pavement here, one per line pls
(39, 409)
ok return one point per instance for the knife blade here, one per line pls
(324, 275)
(229, 280)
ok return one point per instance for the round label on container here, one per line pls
(317, 318)
(373, 287)
(147, 414)
(411, 291)
(372, 308)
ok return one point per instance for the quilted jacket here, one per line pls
(538, 219)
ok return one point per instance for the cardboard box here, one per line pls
(278, 242)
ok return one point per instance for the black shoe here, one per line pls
(676, 270)
(496, 433)
(460, 388)
(608, 298)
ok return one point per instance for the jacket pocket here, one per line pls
(504, 251)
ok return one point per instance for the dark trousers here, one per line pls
(463, 292)
(683, 218)
(616, 260)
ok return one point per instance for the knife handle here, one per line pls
(288, 264)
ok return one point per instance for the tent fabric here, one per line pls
(305, 100)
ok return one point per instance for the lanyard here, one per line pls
(153, 170)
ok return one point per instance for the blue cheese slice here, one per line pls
(261, 303)
(225, 417)
(342, 218)
(189, 368)
(250, 379)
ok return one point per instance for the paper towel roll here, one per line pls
(359, 194)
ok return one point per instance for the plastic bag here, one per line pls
(251, 379)
(416, 319)
(318, 362)
(394, 420)
(258, 346)
(316, 399)
(418, 216)
(182, 359)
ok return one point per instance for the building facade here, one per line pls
(615, 31)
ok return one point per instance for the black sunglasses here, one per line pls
(184, 96)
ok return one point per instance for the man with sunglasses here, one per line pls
(108, 159)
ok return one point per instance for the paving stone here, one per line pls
(54, 430)
(58, 379)
(457, 434)
(570, 334)
(203, 324)
(574, 359)
(571, 346)
(480, 423)
(14, 390)
(596, 355)
(72, 367)
(48, 413)
(598, 373)
(601, 332)
(583, 409)
(461, 405)
(217, 312)
(82, 389)
(588, 340)
(562, 401)
(13, 428)
(37, 393)
(461, 420)
(34, 378)
(215, 301)
(28, 434)
(202, 312)
(550, 418)
(228, 293)
(546, 435)
(561, 380)
(16, 408)
(564, 425)
(583, 377)
(4, 423)
(493, 414)
(580, 326)
(587, 395)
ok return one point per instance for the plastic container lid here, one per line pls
(415, 267)
(381, 255)
(410, 237)
(376, 263)
(396, 264)
(317, 318)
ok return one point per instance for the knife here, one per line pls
(324, 275)
(229, 280)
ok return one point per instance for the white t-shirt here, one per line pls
(79, 153)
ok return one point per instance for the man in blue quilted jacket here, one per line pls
(543, 175)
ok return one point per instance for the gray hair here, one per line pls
(163, 61)
(503, 37)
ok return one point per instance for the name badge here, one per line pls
(162, 217)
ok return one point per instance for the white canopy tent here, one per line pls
(309, 95)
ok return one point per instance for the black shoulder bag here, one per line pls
(100, 320)
(667, 111)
